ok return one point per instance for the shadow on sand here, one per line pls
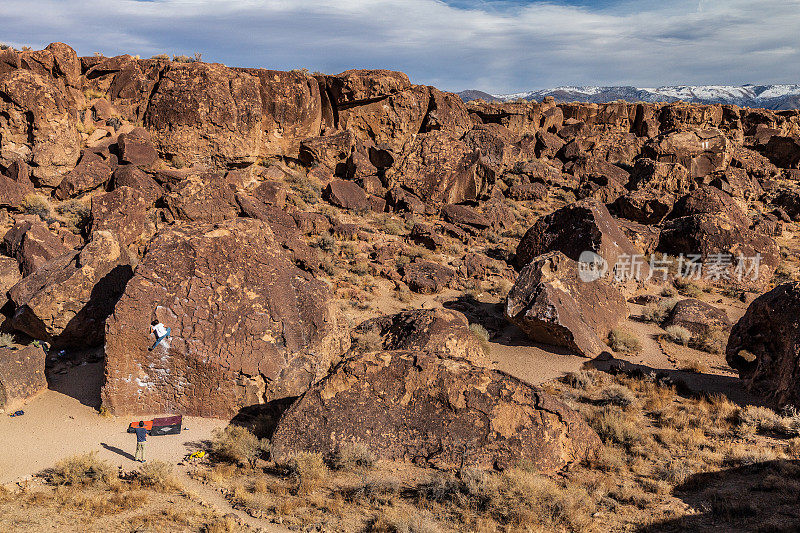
(763, 496)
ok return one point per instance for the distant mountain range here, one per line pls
(766, 96)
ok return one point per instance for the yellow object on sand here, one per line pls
(197, 455)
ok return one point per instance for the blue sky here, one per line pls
(493, 45)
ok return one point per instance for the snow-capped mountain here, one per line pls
(766, 96)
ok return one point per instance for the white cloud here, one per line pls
(503, 48)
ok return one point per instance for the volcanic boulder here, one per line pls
(700, 151)
(583, 226)
(712, 225)
(21, 375)
(552, 305)
(123, 212)
(32, 244)
(39, 127)
(67, 300)
(201, 198)
(440, 169)
(439, 331)
(426, 277)
(92, 171)
(206, 113)
(434, 411)
(247, 325)
(346, 194)
(699, 317)
(764, 345)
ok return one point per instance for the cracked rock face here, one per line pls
(247, 325)
(435, 411)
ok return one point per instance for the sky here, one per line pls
(499, 46)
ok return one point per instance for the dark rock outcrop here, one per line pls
(764, 346)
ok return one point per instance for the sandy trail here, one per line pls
(56, 426)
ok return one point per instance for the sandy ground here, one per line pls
(56, 425)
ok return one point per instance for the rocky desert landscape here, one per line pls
(390, 310)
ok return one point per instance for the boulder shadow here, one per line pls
(764, 496)
(261, 419)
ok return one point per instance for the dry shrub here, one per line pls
(624, 341)
(617, 395)
(793, 448)
(36, 204)
(6, 340)
(712, 341)
(760, 418)
(381, 490)
(743, 455)
(76, 214)
(104, 503)
(658, 312)
(615, 426)
(394, 520)
(369, 341)
(158, 475)
(695, 366)
(482, 335)
(85, 469)
(580, 379)
(308, 469)
(689, 288)
(352, 457)
(608, 459)
(678, 335)
(258, 501)
(236, 444)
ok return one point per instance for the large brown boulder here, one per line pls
(390, 121)
(553, 305)
(583, 226)
(711, 224)
(784, 151)
(39, 126)
(700, 151)
(247, 325)
(66, 301)
(21, 375)
(291, 110)
(644, 206)
(13, 192)
(346, 194)
(206, 113)
(426, 277)
(33, 245)
(440, 169)
(440, 331)
(447, 112)
(670, 178)
(202, 198)
(93, 171)
(764, 346)
(434, 411)
(360, 85)
(123, 212)
(9, 276)
(699, 317)
(136, 148)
